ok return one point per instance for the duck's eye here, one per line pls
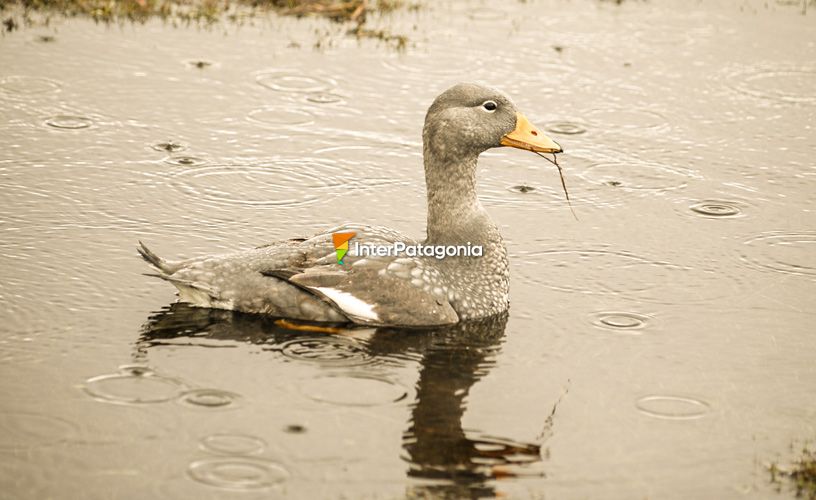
(490, 106)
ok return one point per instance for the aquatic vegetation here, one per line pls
(353, 10)
(801, 474)
(400, 42)
(33, 12)
(9, 24)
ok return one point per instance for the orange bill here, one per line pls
(527, 136)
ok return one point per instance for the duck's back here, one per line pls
(302, 279)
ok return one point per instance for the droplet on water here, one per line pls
(198, 63)
(136, 370)
(169, 146)
(353, 390)
(323, 98)
(792, 85)
(209, 398)
(673, 407)
(27, 85)
(716, 209)
(285, 81)
(274, 184)
(327, 350)
(233, 444)
(69, 122)
(565, 128)
(238, 473)
(621, 320)
(133, 385)
(522, 188)
(636, 175)
(186, 161)
(278, 116)
(789, 253)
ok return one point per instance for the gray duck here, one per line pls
(308, 279)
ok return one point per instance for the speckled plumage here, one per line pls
(301, 279)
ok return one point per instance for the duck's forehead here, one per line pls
(472, 95)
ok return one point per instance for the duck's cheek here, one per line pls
(475, 137)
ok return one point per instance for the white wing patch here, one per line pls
(193, 296)
(349, 303)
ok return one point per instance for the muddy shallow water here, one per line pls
(661, 345)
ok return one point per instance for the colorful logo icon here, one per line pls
(341, 244)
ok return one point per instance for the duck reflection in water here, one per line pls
(445, 460)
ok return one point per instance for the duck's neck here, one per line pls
(455, 216)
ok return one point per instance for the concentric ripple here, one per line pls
(328, 350)
(417, 68)
(637, 175)
(69, 122)
(788, 253)
(324, 98)
(546, 191)
(275, 116)
(565, 128)
(627, 119)
(210, 398)
(716, 209)
(673, 407)
(185, 161)
(27, 85)
(353, 390)
(621, 322)
(792, 85)
(233, 444)
(290, 81)
(22, 430)
(238, 473)
(562, 265)
(134, 385)
(623, 274)
(279, 183)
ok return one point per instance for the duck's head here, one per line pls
(468, 119)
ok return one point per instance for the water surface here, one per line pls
(658, 346)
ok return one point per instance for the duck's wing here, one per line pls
(370, 290)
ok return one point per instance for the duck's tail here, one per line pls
(154, 260)
(196, 293)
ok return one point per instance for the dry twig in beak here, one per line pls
(554, 161)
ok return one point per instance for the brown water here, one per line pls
(660, 346)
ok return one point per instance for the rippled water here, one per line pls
(660, 345)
